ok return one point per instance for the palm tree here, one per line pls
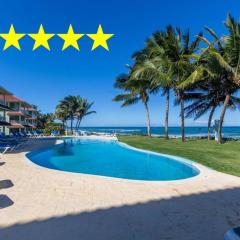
(69, 104)
(211, 97)
(78, 110)
(155, 69)
(73, 107)
(43, 119)
(61, 113)
(176, 52)
(200, 106)
(225, 54)
(229, 59)
(83, 110)
(166, 93)
(136, 90)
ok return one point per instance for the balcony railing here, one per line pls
(20, 110)
(3, 119)
(31, 113)
(3, 102)
(17, 122)
(21, 122)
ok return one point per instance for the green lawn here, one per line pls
(224, 158)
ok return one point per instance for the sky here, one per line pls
(44, 77)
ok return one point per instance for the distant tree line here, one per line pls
(70, 110)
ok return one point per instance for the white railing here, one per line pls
(17, 122)
(3, 102)
(2, 118)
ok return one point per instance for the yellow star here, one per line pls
(41, 38)
(70, 38)
(12, 38)
(100, 38)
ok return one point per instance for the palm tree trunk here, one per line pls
(77, 124)
(166, 115)
(64, 126)
(148, 119)
(80, 120)
(225, 105)
(72, 126)
(182, 118)
(209, 122)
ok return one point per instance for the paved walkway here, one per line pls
(42, 204)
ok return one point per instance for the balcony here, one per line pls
(31, 114)
(16, 121)
(3, 121)
(15, 113)
(20, 124)
(16, 124)
(18, 112)
(4, 105)
(3, 102)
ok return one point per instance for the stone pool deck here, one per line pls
(42, 204)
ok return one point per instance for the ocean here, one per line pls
(233, 132)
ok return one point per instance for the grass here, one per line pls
(224, 158)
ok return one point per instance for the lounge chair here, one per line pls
(83, 133)
(37, 134)
(7, 147)
(30, 134)
(18, 137)
(23, 135)
(77, 134)
(11, 142)
(6, 139)
(233, 234)
(55, 133)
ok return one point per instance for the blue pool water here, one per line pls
(110, 158)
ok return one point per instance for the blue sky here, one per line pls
(43, 77)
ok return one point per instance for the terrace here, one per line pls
(50, 204)
(20, 114)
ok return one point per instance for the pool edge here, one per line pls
(198, 167)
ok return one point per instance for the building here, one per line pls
(4, 108)
(16, 115)
(31, 116)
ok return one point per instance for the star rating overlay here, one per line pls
(12, 38)
(70, 38)
(41, 38)
(100, 38)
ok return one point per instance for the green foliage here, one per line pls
(204, 78)
(53, 127)
(136, 88)
(44, 119)
(73, 108)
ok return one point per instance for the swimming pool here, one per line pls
(112, 159)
